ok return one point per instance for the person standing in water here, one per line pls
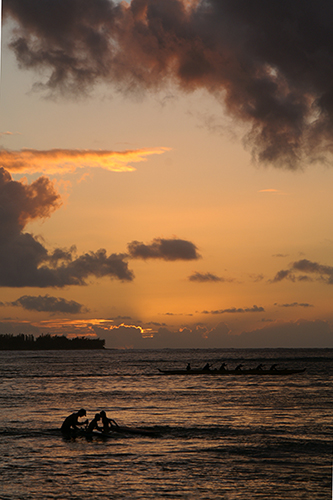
(108, 423)
(94, 423)
(71, 422)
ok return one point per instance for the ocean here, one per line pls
(216, 437)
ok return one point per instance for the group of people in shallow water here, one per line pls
(72, 422)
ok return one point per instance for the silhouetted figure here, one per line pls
(238, 368)
(222, 367)
(206, 368)
(188, 368)
(71, 422)
(273, 367)
(108, 423)
(94, 423)
(260, 367)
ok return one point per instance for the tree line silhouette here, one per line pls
(47, 342)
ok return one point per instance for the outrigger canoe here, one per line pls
(231, 372)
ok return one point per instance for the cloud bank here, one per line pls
(291, 334)
(269, 63)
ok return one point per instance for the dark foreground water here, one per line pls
(218, 437)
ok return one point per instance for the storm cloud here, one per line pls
(268, 63)
(165, 249)
(25, 261)
(47, 303)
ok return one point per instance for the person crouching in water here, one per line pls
(108, 423)
(94, 423)
(71, 422)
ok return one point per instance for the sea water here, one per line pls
(217, 437)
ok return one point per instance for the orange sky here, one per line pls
(139, 214)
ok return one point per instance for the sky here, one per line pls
(166, 172)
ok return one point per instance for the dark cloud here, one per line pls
(47, 303)
(176, 314)
(166, 249)
(205, 277)
(97, 264)
(233, 310)
(283, 274)
(295, 304)
(24, 261)
(323, 272)
(21, 203)
(270, 63)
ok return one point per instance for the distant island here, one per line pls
(23, 342)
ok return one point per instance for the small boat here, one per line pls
(232, 372)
